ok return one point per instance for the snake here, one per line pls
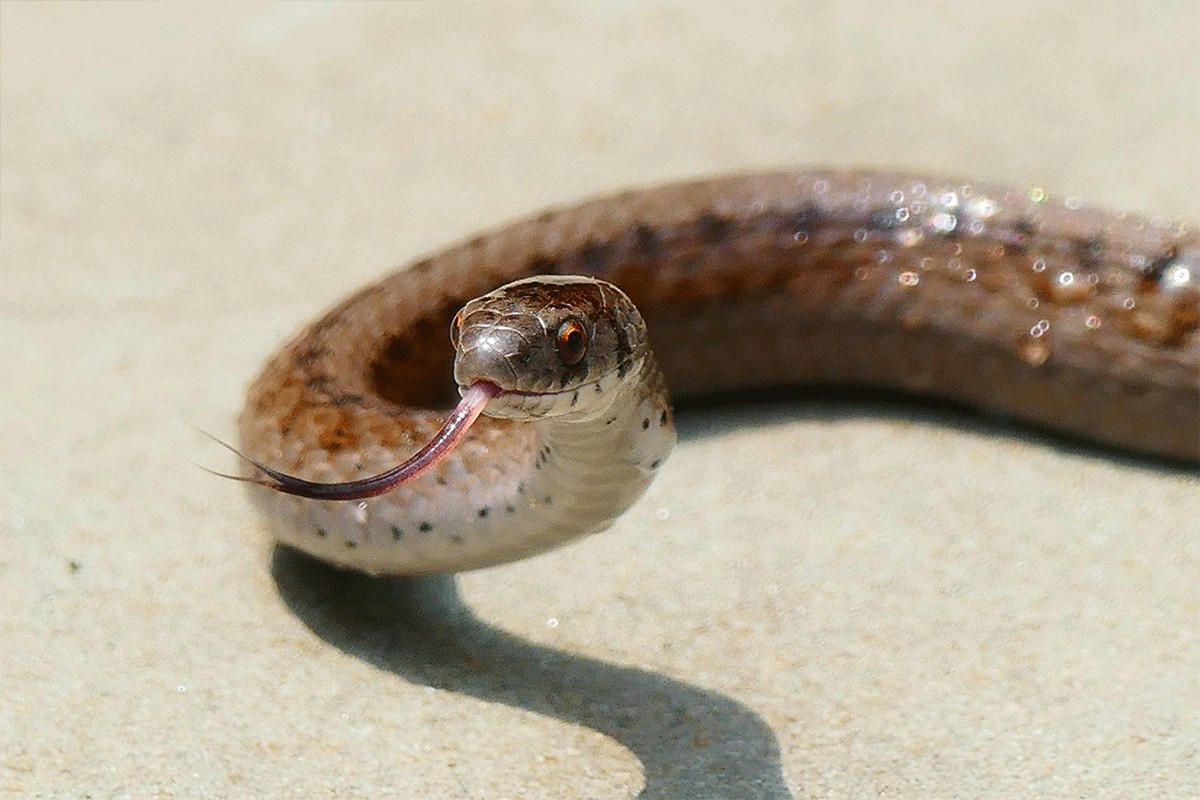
(564, 336)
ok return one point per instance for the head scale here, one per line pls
(555, 345)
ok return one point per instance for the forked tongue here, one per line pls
(445, 440)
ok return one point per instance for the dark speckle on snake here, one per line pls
(1041, 308)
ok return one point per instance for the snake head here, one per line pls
(554, 345)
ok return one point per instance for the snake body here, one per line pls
(1068, 317)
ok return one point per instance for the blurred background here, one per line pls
(813, 601)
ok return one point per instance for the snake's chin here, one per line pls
(582, 401)
(531, 406)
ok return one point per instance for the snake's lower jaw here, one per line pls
(585, 401)
(532, 406)
(519, 407)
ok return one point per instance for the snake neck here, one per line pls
(588, 471)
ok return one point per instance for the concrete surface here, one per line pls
(818, 599)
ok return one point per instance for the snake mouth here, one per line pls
(519, 393)
(530, 406)
(500, 391)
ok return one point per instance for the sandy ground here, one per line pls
(819, 599)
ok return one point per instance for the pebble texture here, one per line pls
(949, 607)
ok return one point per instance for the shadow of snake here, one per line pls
(693, 743)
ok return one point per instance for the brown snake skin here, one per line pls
(1080, 320)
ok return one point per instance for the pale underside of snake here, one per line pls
(1071, 318)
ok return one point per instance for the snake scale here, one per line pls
(1068, 317)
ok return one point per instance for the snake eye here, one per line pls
(572, 342)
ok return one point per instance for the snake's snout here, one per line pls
(486, 351)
